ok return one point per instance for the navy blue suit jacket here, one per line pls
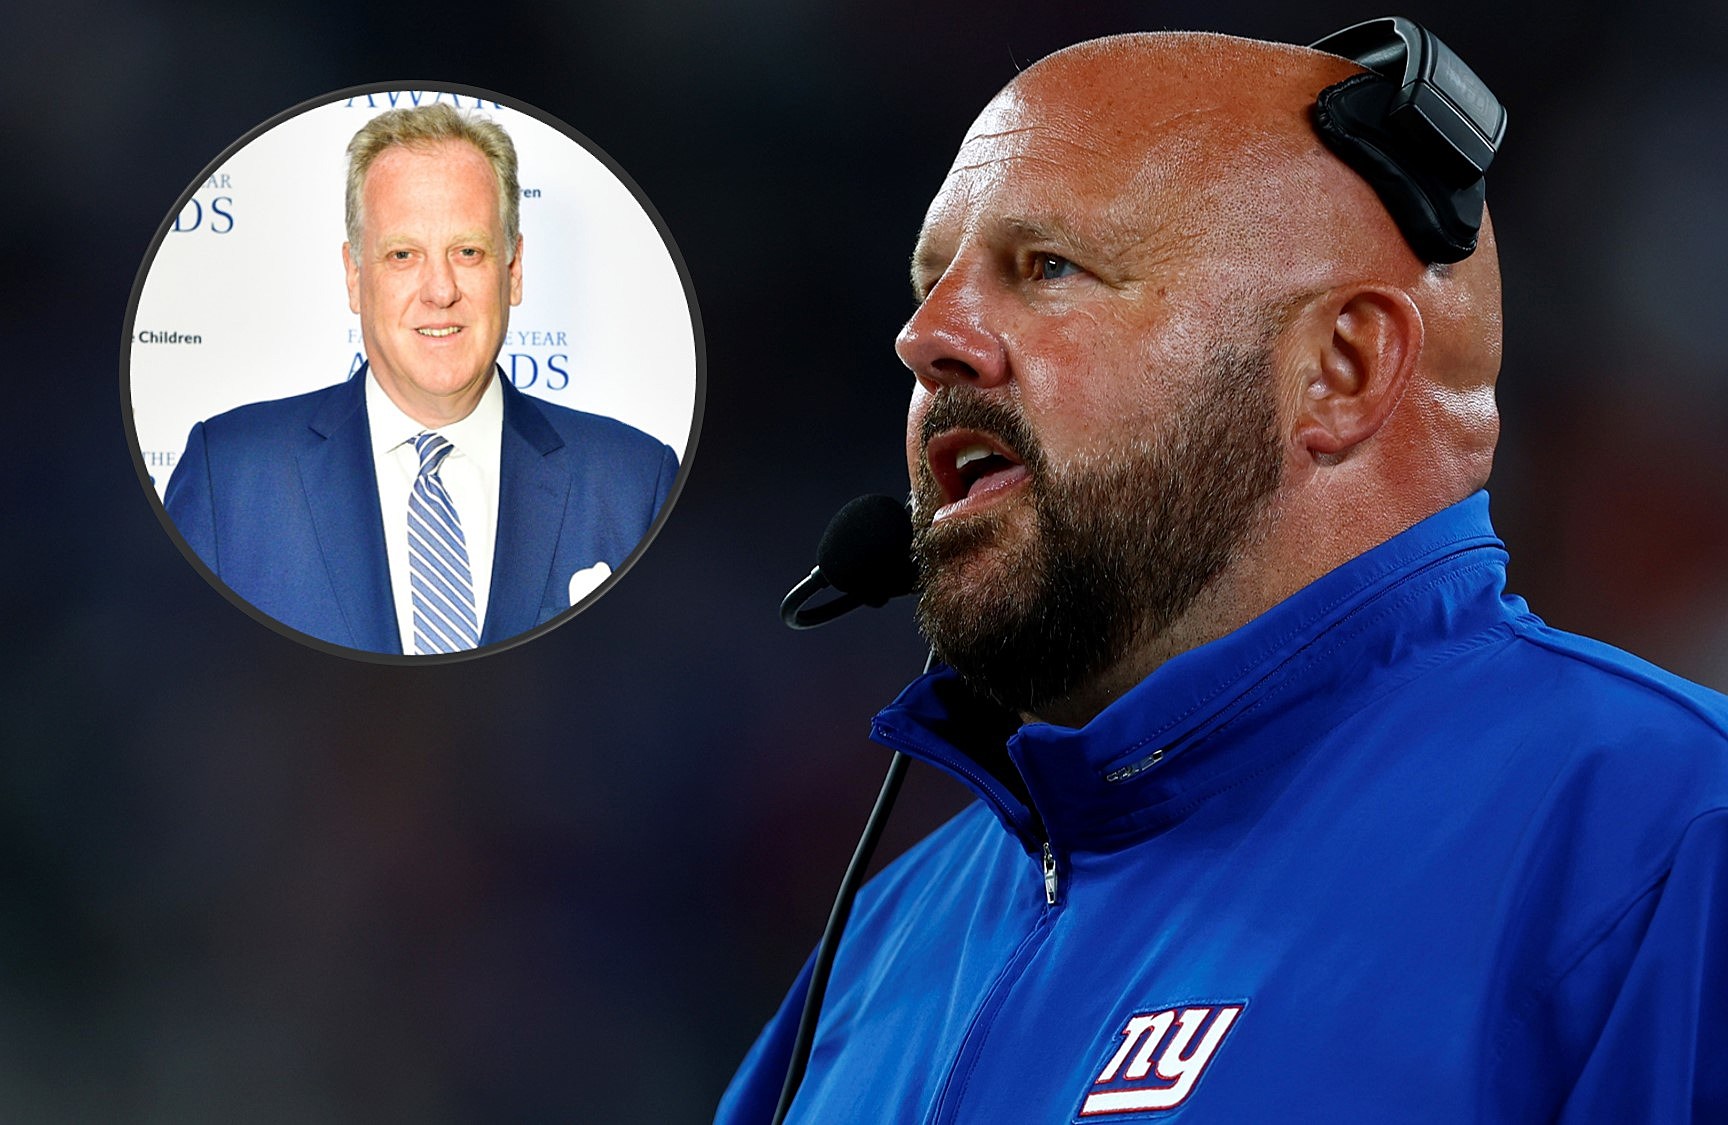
(280, 499)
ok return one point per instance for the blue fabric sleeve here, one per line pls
(663, 486)
(1662, 1055)
(755, 1089)
(190, 501)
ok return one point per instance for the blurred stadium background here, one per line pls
(247, 881)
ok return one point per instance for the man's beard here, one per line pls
(1124, 541)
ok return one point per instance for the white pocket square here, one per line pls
(587, 580)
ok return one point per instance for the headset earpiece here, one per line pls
(1420, 127)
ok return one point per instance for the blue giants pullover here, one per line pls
(1395, 851)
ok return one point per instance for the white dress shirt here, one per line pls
(471, 476)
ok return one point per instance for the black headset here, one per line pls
(1419, 126)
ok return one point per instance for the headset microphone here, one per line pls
(865, 555)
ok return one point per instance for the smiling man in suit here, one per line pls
(424, 505)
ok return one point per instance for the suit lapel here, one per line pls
(531, 503)
(341, 485)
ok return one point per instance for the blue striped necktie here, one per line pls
(444, 618)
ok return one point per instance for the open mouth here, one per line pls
(440, 333)
(970, 468)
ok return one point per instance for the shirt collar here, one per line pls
(1153, 754)
(480, 433)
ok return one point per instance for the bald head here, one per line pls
(1193, 157)
(1218, 130)
(1217, 133)
(1133, 223)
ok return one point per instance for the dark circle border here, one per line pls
(699, 339)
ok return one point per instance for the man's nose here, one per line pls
(438, 283)
(951, 338)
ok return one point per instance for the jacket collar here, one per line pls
(534, 488)
(340, 484)
(1212, 716)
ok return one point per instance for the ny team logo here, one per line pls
(1161, 1057)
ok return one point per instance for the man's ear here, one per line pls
(515, 270)
(352, 268)
(1357, 353)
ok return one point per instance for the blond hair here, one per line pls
(420, 128)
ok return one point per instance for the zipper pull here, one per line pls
(1049, 875)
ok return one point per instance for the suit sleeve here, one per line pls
(189, 500)
(663, 485)
(1662, 1054)
(755, 1089)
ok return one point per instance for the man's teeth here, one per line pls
(451, 331)
(972, 453)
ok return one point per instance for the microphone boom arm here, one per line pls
(793, 614)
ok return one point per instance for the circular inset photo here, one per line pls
(412, 372)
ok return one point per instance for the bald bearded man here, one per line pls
(1286, 812)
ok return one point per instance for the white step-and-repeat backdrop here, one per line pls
(245, 301)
